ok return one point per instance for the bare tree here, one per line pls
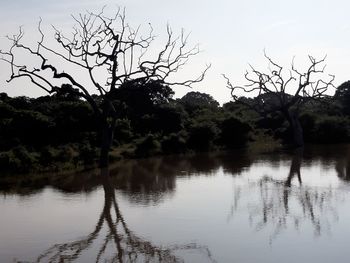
(284, 92)
(100, 45)
(284, 205)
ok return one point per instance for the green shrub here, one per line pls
(65, 154)
(201, 136)
(170, 118)
(5, 158)
(174, 143)
(6, 111)
(27, 160)
(47, 156)
(123, 131)
(88, 154)
(234, 132)
(308, 122)
(148, 146)
(332, 129)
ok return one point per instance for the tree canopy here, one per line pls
(112, 55)
(279, 91)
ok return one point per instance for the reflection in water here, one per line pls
(295, 167)
(282, 204)
(184, 199)
(343, 167)
(147, 181)
(158, 175)
(119, 243)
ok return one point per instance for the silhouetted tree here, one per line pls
(275, 95)
(282, 204)
(117, 236)
(193, 101)
(342, 95)
(100, 46)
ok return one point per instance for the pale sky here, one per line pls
(230, 33)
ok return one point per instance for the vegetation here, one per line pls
(59, 132)
(55, 132)
(100, 45)
(285, 93)
(134, 113)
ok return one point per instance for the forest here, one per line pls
(58, 132)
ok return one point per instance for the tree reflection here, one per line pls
(284, 204)
(342, 167)
(146, 181)
(115, 241)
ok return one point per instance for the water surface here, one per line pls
(228, 207)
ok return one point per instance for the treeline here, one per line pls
(61, 132)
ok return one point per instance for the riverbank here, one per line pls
(74, 157)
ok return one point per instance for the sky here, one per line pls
(231, 34)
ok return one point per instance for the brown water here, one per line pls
(233, 207)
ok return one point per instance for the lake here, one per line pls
(289, 206)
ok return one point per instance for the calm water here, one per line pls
(282, 207)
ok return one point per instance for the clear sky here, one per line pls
(230, 33)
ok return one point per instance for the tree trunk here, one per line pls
(295, 167)
(294, 170)
(297, 129)
(106, 142)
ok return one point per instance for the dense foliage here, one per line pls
(60, 131)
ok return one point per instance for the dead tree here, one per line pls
(283, 205)
(285, 93)
(110, 53)
(113, 241)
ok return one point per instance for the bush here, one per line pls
(88, 154)
(332, 129)
(47, 156)
(6, 111)
(31, 127)
(66, 154)
(5, 158)
(147, 147)
(20, 159)
(308, 122)
(201, 136)
(174, 143)
(123, 131)
(9, 162)
(170, 118)
(234, 132)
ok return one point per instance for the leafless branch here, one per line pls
(100, 45)
(288, 89)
